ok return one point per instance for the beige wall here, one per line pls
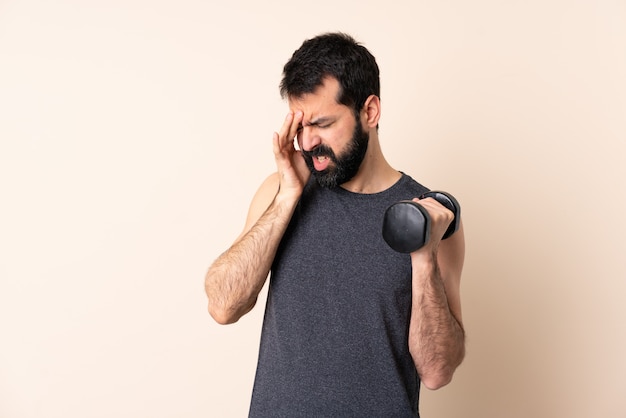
(133, 134)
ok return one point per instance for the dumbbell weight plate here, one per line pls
(406, 226)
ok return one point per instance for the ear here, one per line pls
(371, 111)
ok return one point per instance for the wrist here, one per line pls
(285, 201)
(424, 262)
(425, 255)
(287, 197)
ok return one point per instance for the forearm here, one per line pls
(235, 279)
(436, 336)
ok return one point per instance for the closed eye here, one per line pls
(322, 122)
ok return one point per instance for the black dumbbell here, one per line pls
(406, 225)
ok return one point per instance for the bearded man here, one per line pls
(351, 327)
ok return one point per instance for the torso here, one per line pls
(335, 333)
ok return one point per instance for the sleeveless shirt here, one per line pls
(334, 341)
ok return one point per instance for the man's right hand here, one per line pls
(293, 172)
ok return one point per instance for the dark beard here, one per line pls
(343, 168)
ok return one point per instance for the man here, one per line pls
(351, 327)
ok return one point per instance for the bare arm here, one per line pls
(233, 282)
(436, 334)
(235, 279)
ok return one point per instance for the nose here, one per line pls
(308, 139)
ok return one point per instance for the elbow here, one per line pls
(434, 381)
(223, 316)
(226, 315)
(222, 312)
(439, 374)
(226, 307)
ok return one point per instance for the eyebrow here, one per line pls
(319, 121)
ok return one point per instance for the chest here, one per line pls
(334, 250)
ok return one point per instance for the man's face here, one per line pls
(332, 139)
(340, 169)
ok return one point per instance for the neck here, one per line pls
(375, 173)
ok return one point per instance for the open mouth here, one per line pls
(321, 162)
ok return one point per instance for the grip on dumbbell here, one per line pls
(450, 203)
(406, 224)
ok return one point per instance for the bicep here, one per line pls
(451, 257)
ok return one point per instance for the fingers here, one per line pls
(284, 130)
(440, 216)
(285, 151)
(295, 126)
(291, 166)
(289, 130)
(434, 207)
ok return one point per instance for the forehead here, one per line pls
(321, 102)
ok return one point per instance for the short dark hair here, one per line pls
(335, 55)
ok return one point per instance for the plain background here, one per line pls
(134, 134)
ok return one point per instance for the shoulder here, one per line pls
(411, 185)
